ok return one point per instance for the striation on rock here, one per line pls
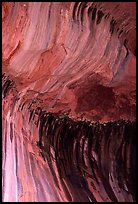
(57, 46)
(68, 101)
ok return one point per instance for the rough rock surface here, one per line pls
(68, 101)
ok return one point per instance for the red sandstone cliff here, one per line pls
(72, 60)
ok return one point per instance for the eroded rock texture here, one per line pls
(68, 101)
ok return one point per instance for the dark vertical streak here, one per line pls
(11, 131)
(75, 165)
(112, 26)
(94, 14)
(100, 15)
(74, 10)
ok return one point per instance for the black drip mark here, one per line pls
(42, 122)
(30, 105)
(31, 114)
(94, 14)
(117, 29)
(79, 10)
(38, 111)
(11, 132)
(107, 16)
(3, 76)
(112, 26)
(109, 190)
(73, 157)
(84, 5)
(6, 87)
(49, 13)
(42, 154)
(125, 42)
(100, 15)
(121, 31)
(15, 99)
(22, 106)
(89, 11)
(74, 10)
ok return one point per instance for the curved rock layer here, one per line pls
(68, 101)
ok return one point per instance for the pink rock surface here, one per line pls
(48, 53)
(75, 60)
